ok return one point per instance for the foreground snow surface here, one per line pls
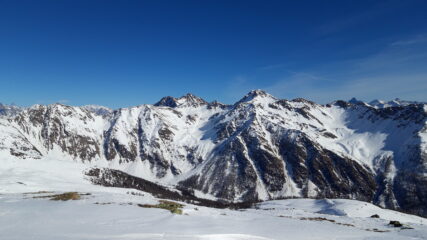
(113, 213)
(116, 216)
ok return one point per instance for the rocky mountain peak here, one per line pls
(354, 100)
(188, 100)
(257, 92)
(256, 95)
(191, 100)
(167, 101)
(216, 104)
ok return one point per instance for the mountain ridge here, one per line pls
(378, 103)
(259, 148)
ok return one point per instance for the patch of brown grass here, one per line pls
(64, 196)
(173, 207)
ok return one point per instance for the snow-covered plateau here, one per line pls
(308, 171)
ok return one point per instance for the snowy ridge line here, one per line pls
(259, 148)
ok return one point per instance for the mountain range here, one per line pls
(259, 148)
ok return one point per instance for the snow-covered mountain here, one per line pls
(384, 104)
(393, 103)
(259, 148)
(9, 110)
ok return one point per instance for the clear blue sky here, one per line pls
(124, 53)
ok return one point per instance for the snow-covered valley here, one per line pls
(114, 213)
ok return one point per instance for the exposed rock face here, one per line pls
(63, 128)
(116, 178)
(189, 100)
(256, 149)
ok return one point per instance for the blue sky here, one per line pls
(124, 53)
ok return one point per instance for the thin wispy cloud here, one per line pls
(391, 72)
(272, 66)
(422, 38)
(356, 18)
(297, 84)
(345, 23)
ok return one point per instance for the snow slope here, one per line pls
(83, 219)
(112, 213)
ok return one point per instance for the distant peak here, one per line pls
(9, 110)
(192, 98)
(188, 100)
(255, 94)
(216, 104)
(189, 95)
(98, 110)
(393, 103)
(376, 101)
(258, 92)
(167, 101)
(353, 100)
(356, 101)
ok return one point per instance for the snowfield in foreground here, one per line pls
(114, 213)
